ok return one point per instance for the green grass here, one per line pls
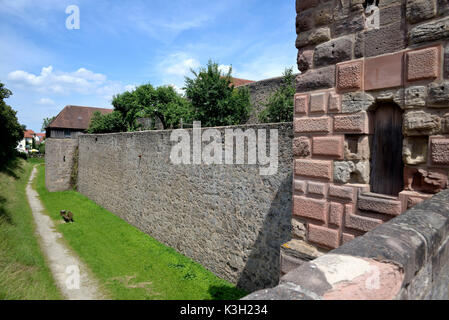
(129, 263)
(23, 271)
(36, 160)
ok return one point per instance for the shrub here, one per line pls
(279, 107)
(107, 123)
(214, 99)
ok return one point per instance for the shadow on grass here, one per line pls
(11, 167)
(4, 214)
(226, 293)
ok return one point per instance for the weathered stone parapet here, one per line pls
(406, 258)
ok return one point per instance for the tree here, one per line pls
(279, 107)
(146, 101)
(214, 99)
(126, 104)
(10, 129)
(41, 148)
(166, 104)
(107, 123)
(46, 122)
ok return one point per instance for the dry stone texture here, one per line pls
(229, 218)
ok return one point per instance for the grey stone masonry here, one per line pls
(227, 217)
(59, 159)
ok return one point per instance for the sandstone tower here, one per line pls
(371, 118)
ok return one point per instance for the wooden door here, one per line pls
(386, 153)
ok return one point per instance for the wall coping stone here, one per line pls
(399, 249)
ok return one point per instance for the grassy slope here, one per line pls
(23, 272)
(114, 250)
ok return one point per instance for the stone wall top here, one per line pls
(405, 258)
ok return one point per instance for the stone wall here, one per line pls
(229, 218)
(59, 160)
(354, 59)
(406, 258)
(259, 92)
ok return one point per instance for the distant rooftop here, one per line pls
(28, 134)
(76, 117)
(240, 82)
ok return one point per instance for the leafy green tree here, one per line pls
(41, 148)
(146, 101)
(46, 122)
(126, 104)
(214, 99)
(111, 122)
(10, 129)
(166, 104)
(279, 107)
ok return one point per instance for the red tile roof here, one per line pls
(28, 134)
(41, 134)
(240, 82)
(76, 117)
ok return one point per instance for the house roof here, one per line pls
(240, 82)
(76, 117)
(28, 134)
(41, 134)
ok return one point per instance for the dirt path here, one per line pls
(63, 263)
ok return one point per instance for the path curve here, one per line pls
(62, 261)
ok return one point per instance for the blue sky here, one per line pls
(121, 44)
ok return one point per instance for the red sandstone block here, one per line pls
(423, 64)
(352, 123)
(334, 102)
(301, 103)
(310, 208)
(347, 193)
(317, 188)
(346, 237)
(318, 102)
(439, 151)
(321, 169)
(349, 76)
(379, 205)
(300, 185)
(411, 198)
(358, 222)
(336, 213)
(384, 71)
(323, 236)
(328, 146)
(313, 125)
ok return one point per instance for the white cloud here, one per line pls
(178, 64)
(177, 89)
(225, 68)
(130, 87)
(81, 81)
(46, 101)
(174, 68)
